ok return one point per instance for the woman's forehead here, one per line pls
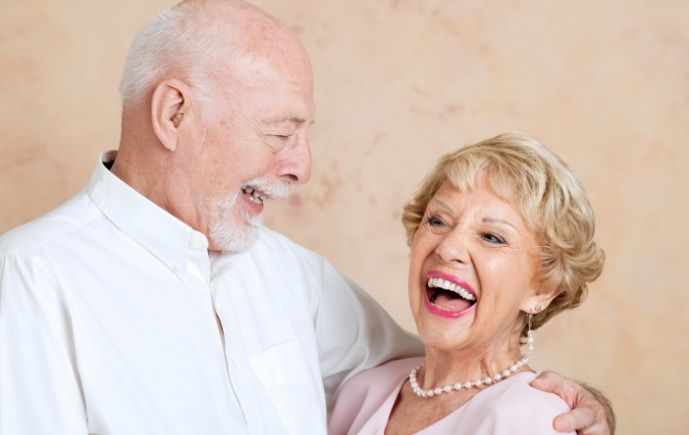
(451, 197)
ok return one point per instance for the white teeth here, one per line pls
(256, 199)
(447, 285)
(254, 195)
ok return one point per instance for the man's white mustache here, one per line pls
(269, 189)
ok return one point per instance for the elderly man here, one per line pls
(153, 302)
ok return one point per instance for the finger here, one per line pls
(553, 382)
(576, 419)
(548, 381)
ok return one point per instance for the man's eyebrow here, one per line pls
(498, 221)
(293, 119)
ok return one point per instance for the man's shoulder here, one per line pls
(31, 237)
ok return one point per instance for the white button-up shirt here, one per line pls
(114, 319)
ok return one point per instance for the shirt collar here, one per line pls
(159, 232)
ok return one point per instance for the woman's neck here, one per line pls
(442, 367)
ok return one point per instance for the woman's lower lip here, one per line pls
(436, 310)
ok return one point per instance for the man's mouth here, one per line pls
(449, 296)
(259, 189)
(253, 194)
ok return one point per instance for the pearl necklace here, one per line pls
(488, 380)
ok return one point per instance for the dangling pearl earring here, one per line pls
(529, 337)
(529, 333)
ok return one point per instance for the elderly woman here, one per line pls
(501, 237)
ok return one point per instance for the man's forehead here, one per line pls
(270, 69)
(265, 83)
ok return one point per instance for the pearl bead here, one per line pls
(420, 392)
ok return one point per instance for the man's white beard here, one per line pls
(232, 236)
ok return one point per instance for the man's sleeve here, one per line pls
(39, 389)
(354, 333)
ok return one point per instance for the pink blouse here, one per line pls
(509, 407)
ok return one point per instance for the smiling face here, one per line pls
(473, 271)
(218, 98)
(256, 143)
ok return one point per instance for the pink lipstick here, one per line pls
(466, 294)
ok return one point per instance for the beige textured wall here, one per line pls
(604, 84)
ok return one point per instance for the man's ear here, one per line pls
(169, 102)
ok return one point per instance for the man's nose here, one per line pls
(296, 166)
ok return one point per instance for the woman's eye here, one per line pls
(435, 221)
(493, 238)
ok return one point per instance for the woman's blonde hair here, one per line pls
(551, 199)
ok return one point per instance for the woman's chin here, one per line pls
(444, 333)
(443, 325)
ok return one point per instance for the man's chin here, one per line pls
(229, 238)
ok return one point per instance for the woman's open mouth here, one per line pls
(446, 297)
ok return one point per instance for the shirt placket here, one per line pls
(238, 371)
(198, 271)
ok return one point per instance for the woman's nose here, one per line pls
(452, 248)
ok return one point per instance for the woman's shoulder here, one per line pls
(381, 379)
(395, 369)
(367, 392)
(513, 403)
(533, 397)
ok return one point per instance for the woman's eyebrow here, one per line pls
(442, 205)
(498, 221)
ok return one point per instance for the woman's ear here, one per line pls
(539, 301)
(170, 100)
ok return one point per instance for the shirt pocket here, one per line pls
(285, 375)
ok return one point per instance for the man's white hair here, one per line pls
(172, 41)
